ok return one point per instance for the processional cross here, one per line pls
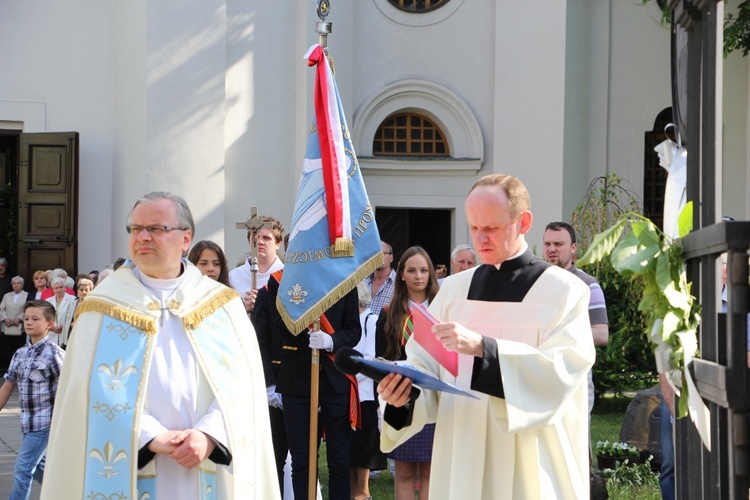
(254, 224)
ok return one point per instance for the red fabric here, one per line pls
(331, 179)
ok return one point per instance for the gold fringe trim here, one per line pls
(129, 316)
(297, 327)
(213, 304)
(344, 247)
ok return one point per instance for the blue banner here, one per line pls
(317, 271)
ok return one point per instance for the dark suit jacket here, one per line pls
(268, 327)
(293, 375)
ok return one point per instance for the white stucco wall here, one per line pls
(57, 74)
(211, 99)
(639, 84)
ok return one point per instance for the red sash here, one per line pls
(355, 418)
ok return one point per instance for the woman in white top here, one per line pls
(65, 307)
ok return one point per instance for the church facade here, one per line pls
(212, 100)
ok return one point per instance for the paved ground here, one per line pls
(10, 443)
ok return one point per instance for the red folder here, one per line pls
(423, 335)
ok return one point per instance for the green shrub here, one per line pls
(626, 363)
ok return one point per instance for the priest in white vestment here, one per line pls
(164, 396)
(519, 326)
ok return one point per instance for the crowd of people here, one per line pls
(531, 387)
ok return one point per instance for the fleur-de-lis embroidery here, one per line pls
(118, 374)
(108, 458)
(297, 294)
(174, 305)
(229, 363)
(154, 306)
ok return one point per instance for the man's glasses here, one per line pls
(135, 230)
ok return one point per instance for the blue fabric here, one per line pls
(29, 464)
(113, 387)
(666, 479)
(311, 273)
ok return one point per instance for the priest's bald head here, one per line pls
(498, 214)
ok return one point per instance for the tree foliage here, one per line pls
(626, 362)
(736, 27)
(737, 30)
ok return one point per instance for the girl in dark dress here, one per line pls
(415, 283)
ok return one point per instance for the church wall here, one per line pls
(575, 173)
(527, 135)
(212, 100)
(736, 137)
(268, 84)
(444, 52)
(639, 85)
(56, 58)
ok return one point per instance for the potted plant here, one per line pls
(611, 454)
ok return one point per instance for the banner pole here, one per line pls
(312, 476)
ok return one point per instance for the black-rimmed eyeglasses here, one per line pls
(135, 230)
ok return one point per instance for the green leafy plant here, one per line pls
(632, 480)
(645, 252)
(626, 362)
(615, 449)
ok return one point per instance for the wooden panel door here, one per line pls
(48, 203)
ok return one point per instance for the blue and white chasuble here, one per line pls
(93, 447)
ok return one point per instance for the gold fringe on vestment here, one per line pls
(129, 316)
(213, 304)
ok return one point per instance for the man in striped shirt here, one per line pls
(559, 249)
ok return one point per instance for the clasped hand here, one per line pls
(188, 448)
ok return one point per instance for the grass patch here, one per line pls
(607, 417)
(380, 487)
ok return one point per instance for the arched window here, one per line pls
(654, 176)
(409, 134)
(418, 6)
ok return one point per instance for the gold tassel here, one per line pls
(344, 247)
(140, 321)
(209, 307)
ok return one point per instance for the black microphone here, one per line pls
(348, 360)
